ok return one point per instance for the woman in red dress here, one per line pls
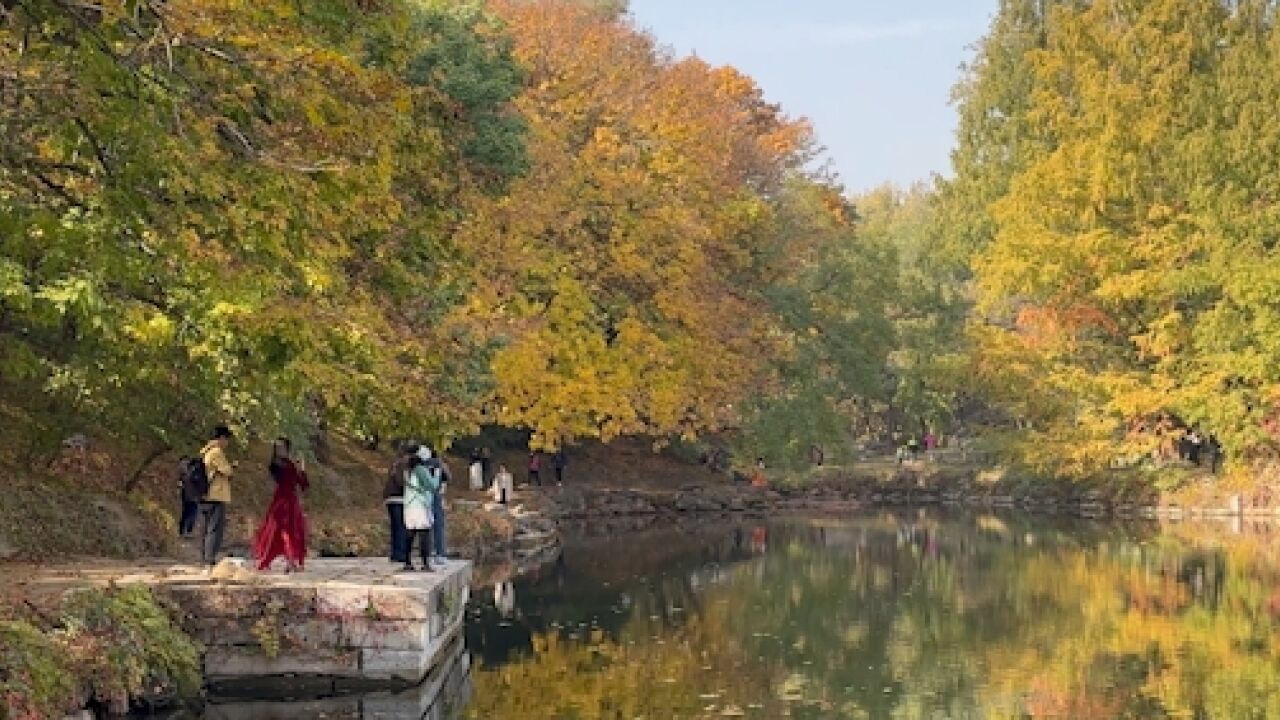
(284, 530)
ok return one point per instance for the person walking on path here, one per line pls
(213, 507)
(284, 530)
(535, 469)
(419, 487)
(558, 463)
(503, 485)
(393, 497)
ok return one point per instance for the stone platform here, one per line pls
(358, 620)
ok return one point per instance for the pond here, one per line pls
(917, 614)
(914, 615)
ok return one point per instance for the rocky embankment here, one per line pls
(921, 485)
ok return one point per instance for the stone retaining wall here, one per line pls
(350, 619)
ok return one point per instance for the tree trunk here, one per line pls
(132, 483)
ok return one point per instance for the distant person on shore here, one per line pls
(486, 462)
(393, 497)
(213, 507)
(757, 477)
(284, 530)
(476, 470)
(503, 485)
(535, 469)
(419, 487)
(558, 463)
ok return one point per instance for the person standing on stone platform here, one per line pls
(420, 486)
(213, 507)
(437, 504)
(393, 497)
(284, 530)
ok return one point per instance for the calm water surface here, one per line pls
(913, 615)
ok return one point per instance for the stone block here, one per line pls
(400, 603)
(235, 662)
(342, 601)
(385, 634)
(338, 708)
(294, 632)
(237, 601)
(406, 665)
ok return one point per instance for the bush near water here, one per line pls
(103, 647)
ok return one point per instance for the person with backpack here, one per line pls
(192, 485)
(393, 497)
(213, 505)
(421, 483)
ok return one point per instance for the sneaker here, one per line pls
(408, 567)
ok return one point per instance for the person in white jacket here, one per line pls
(503, 485)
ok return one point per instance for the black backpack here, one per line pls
(195, 479)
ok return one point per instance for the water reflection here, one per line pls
(916, 615)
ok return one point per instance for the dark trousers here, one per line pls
(399, 535)
(559, 475)
(187, 522)
(215, 521)
(533, 477)
(437, 520)
(423, 538)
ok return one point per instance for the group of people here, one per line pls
(205, 489)
(414, 496)
(502, 483)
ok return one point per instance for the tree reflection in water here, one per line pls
(890, 616)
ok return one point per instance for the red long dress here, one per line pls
(284, 530)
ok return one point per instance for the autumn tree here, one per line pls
(215, 211)
(624, 272)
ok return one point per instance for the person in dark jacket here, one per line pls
(393, 496)
(190, 497)
(558, 462)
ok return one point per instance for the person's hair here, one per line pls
(276, 466)
(221, 431)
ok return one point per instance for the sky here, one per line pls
(873, 76)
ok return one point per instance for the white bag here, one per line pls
(417, 517)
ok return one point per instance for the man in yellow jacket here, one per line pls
(214, 505)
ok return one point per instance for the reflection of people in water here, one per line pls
(504, 598)
(561, 570)
(759, 539)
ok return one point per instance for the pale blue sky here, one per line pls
(874, 76)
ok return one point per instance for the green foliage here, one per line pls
(831, 296)
(35, 681)
(247, 223)
(111, 645)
